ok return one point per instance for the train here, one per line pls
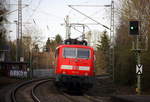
(74, 65)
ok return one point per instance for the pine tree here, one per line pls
(58, 39)
(48, 42)
(3, 39)
(102, 53)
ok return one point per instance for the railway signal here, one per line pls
(139, 69)
(134, 30)
(134, 27)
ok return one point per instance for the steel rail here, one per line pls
(68, 97)
(91, 98)
(43, 80)
(33, 93)
(14, 91)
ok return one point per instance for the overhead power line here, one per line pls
(12, 11)
(92, 5)
(51, 14)
(35, 9)
(89, 17)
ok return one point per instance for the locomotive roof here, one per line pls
(78, 46)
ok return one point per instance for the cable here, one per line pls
(48, 13)
(90, 15)
(34, 10)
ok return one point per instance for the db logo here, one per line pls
(75, 67)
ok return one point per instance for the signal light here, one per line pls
(134, 27)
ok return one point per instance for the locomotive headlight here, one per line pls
(87, 68)
(66, 67)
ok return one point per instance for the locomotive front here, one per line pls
(75, 65)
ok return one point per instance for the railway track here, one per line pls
(85, 98)
(33, 93)
(25, 92)
(43, 90)
(97, 98)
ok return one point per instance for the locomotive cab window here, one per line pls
(69, 52)
(76, 53)
(83, 53)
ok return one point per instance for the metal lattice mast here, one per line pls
(112, 40)
(83, 34)
(20, 26)
(112, 37)
(67, 27)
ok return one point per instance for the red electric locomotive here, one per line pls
(74, 65)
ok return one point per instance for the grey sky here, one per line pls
(49, 14)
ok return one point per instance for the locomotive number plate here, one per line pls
(75, 67)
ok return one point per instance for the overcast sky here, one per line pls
(49, 15)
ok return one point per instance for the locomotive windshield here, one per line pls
(83, 53)
(69, 52)
(76, 53)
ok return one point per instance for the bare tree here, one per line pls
(125, 59)
(32, 39)
(33, 34)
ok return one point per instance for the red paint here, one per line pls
(74, 62)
